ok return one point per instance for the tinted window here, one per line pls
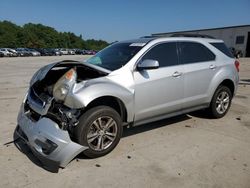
(165, 54)
(191, 52)
(223, 48)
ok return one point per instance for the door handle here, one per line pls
(212, 66)
(177, 74)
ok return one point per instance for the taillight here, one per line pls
(237, 65)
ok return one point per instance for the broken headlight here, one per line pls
(64, 84)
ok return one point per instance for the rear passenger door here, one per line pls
(199, 67)
(159, 91)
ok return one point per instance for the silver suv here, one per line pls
(73, 107)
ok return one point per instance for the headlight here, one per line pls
(64, 84)
(61, 92)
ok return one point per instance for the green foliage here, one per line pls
(95, 44)
(40, 36)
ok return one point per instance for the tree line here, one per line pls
(40, 36)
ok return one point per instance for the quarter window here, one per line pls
(165, 54)
(192, 52)
(223, 48)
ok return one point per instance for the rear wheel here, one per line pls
(221, 102)
(100, 128)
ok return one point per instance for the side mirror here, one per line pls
(147, 64)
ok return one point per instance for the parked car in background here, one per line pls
(48, 51)
(52, 51)
(6, 52)
(13, 52)
(71, 52)
(43, 51)
(23, 52)
(80, 52)
(33, 52)
(1, 54)
(64, 51)
(56, 51)
(90, 52)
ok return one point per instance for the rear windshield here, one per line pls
(223, 48)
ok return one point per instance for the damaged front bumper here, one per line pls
(50, 144)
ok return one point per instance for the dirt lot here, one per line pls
(185, 151)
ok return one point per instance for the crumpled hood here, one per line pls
(42, 72)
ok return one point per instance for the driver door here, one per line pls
(159, 92)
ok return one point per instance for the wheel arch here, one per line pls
(98, 93)
(228, 83)
(111, 101)
(224, 76)
(223, 82)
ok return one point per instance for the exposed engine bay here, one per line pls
(42, 99)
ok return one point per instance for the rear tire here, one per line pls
(100, 129)
(221, 102)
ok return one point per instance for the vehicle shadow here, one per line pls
(129, 131)
(203, 114)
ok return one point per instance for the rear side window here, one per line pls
(165, 54)
(192, 52)
(223, 48)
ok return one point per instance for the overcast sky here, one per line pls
(113, 20)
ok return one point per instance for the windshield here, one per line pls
(116, 55)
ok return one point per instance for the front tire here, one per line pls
(100, 128)
(221, 102)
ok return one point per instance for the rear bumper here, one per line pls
(50, 144)
(236, 83)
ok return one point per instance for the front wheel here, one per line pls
(100, 128)
(221, 102)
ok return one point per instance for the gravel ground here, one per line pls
(185, 151)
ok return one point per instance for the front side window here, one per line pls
(116, 55)
(165, 54)
(193, 52)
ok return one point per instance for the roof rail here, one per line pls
(192, 35)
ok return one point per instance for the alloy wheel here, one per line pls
(102, 133)
(222, 102)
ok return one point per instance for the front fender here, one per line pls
(80, 97)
